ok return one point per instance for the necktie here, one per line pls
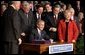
(55, 18)
(26, 18)
(39, 16)
(40, 33)
(40, 37)
(27, 15)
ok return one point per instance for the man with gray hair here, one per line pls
(11, 29)
(27, 21)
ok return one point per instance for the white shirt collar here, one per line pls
(39, 31)
(38, 15)
(13, 6)
(56, 16)
(72, 17)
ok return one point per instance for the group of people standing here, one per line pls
(20, 24)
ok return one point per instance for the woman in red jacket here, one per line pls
(67, 29)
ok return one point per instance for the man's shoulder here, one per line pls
(21, 11)
(43, 31)
(34, 30)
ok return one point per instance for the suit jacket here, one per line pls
(26, 23)
(72, 30)
(50, 22)
(35, 36)
(35, 16)
(11, 25)
(76, 19)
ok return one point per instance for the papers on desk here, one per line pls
(60, 48)
(38, 41)
(41, 41)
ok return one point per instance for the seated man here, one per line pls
(39, 33)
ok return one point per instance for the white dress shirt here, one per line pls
(39, 31)
(38, 16)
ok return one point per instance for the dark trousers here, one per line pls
(10, 48)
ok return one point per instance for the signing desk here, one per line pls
(39, 48)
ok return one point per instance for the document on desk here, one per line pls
(41, 42)
(60, 48)
(38, 41)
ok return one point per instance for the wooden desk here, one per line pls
(39, 48)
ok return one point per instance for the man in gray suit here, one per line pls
(27, 21)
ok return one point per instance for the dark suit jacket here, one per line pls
(11, 25)
(50, 22)
(77, 21)
(35, 36)
(35, 17)
(26, 23)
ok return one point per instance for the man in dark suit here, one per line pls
(38, 13)
(48, 9)
(52, 20)
(27, 20)
(38, 33)
(11, 29)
